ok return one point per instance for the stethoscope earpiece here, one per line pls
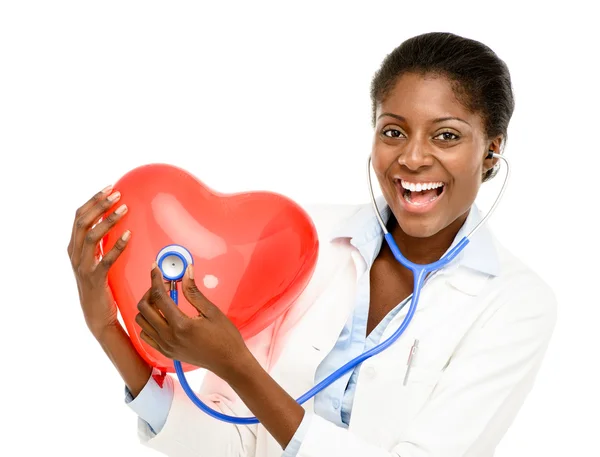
(173, 261)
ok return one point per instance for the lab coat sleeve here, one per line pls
(152, 403)
(293, 446)
(188, 431)
(478, 395)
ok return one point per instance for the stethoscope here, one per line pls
(174, 259)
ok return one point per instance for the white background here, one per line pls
(272, 96)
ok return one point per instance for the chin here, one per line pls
(418, 227)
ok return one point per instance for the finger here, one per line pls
(151, 341)
(83, 210)
(111, 256)
(161, 299)
(193, 294)
(151, 315)
(85, 221)
(93, 237)
(147, 327)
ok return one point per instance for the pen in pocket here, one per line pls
(411, 356)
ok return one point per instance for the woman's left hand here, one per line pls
(208, 340)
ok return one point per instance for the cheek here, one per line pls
(378, 164)
(380, 173)
(467, 180)
(382, 158)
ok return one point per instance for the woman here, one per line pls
(441, 104)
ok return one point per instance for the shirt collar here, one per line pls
(479, 255)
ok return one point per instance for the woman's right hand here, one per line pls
(95, 297)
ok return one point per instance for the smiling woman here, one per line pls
(441, 108)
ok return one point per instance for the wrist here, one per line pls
(244, 368)
(134, 370)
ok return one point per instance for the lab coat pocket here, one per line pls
(387, 400)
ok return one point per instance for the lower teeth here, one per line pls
(407, 198)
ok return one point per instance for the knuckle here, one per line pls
(120, 244)
(81, 223)
(166, 341)
(111, 219)
(97, 197)
(169, 339)
(90, 237)
(156, 294)
(105, 204)
(82, 272)
(105, 264)
(195, 293)
(182, 327)
(178, 327)
(173, 340)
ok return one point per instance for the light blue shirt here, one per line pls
(334, 403)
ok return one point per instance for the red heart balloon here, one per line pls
(253, 253)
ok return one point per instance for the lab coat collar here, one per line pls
(479, 256)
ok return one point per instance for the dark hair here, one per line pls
(481, 79)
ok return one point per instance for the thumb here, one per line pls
(192, 293)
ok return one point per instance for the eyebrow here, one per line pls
(435, 121)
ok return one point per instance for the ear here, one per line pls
(495, 147)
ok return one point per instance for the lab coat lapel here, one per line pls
(452, 284)
(335, 305)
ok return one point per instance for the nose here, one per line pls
(415, 155)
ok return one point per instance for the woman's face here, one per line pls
(428, 154)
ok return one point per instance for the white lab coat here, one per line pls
(481, 342)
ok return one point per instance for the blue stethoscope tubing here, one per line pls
(420, 273)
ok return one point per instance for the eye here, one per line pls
(448, 136)
(392, 133)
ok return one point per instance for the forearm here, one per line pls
(134, 370)
(277, 411)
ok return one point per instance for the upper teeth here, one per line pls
(418, 187)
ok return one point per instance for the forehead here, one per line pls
(422, 97)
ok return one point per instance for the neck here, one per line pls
(425, 250)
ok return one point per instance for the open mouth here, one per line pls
(420, 194)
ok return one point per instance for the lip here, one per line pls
(416, 209)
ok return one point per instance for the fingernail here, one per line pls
(126, 235)
(121, 209)
(154, 265)
(190, 271)
(107, 189)
(114, 196)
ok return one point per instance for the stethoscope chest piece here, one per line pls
(173, 261)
